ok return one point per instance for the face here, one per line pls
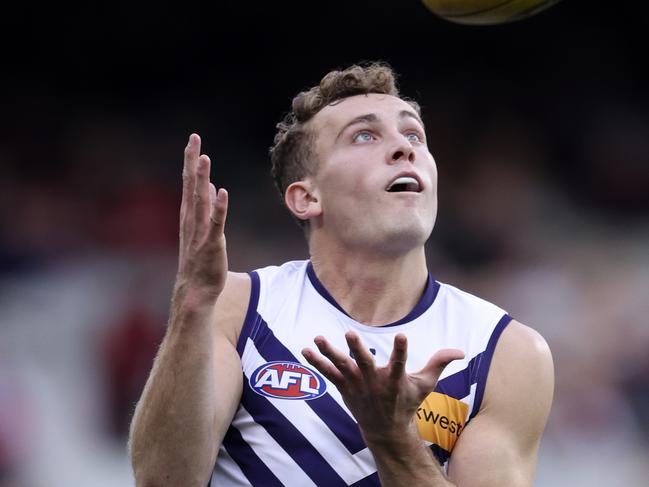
(376, 181)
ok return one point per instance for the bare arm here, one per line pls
(500, 445)
(195, 383)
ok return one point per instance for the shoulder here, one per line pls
(237, 287)
(274, 275)
(500, 445)
(243, 290)
(274, 286)
(232, 305)
(522, 350)
(519, 338)
(458, 299)
(520, 384)
(471, 318)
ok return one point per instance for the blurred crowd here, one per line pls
(556, 233)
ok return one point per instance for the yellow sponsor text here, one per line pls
(441, 419)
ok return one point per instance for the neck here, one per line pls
(372, 288)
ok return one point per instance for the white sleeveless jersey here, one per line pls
(292, 427)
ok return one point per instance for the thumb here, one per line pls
(437, 363)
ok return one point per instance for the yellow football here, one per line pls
(486, 12)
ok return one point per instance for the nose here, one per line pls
(402, 152)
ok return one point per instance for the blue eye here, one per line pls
(413, 137)
(363, 137)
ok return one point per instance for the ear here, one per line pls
(302, 199)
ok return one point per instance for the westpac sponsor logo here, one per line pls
(287, 380)
(441, 419)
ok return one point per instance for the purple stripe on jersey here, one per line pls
(458, 385)
(441, 454)
(341, 424)
(482, 369)
(290, 439)
(426, 300)
(251, 314)
(251, 465)
(371, 480)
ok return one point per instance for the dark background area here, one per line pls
(540, 129)
(98, 96)
(229, 70)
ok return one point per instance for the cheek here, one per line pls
(333, 194)
(433, 174)
(350, 182)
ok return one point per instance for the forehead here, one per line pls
(333, 117)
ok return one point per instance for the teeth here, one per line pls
(413, 184)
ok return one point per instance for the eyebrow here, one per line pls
(373, 118)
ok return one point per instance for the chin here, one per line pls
(395, 233)
(405, 236)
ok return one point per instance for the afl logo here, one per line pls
(287, 380)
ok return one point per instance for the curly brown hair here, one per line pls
(292, 154)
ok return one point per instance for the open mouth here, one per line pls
(404, 184)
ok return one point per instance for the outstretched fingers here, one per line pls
(203, 209)
(202, 257)
(218, 212)
(202, 197)
(333, 364)
(398, 357)
(362, 356)
(190, 164)
(436, 365)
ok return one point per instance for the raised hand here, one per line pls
(202, 260)
(195, 382)
(383, 400)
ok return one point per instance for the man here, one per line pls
(414, 382)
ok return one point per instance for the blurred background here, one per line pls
(540, 129)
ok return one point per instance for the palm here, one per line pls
(382, 399)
